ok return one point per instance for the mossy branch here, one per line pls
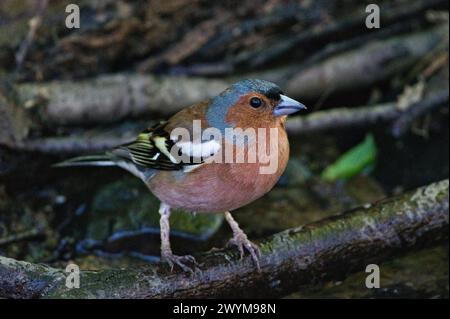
(329, 249)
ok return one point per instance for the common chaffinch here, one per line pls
(225, 170)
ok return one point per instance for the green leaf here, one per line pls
(353, 162)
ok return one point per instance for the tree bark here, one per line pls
(111, 98)
(318, 121)
(366, 65)
(365, 115)
(325, 250)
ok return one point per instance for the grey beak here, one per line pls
(287, 106)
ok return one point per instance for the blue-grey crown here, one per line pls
(218, 107)
(267, 88)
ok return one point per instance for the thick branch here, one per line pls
(329, 249)
(366, 115)
(314, 122)
(112, 98)
(360, 67)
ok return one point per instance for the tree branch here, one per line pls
(402, 124)
(314, 122)
(365, 115)
(112, 98)
(325, 250)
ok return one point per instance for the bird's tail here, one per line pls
(108, 159)
(89, 160)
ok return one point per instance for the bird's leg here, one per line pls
(166, 250)
(241, 241)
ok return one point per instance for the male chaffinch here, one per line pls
(192, 175)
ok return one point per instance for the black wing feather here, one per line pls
(151, 149)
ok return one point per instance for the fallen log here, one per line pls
(332, 32)
(325, 250)
(331, 119)
(111, 98)
(366, 115)
(366, 65)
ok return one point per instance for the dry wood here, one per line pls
(116, 97)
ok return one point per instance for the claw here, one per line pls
(180, 261)
(242, 242)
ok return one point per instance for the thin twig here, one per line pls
(416, 110)
(14, 238)
(35, 23)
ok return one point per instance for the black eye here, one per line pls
(255, 102)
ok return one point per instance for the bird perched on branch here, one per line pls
(214, 156)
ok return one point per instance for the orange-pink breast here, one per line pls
(219, 187)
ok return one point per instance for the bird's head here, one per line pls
(251, 103)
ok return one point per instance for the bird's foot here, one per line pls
(242, 242)
(180, 261)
